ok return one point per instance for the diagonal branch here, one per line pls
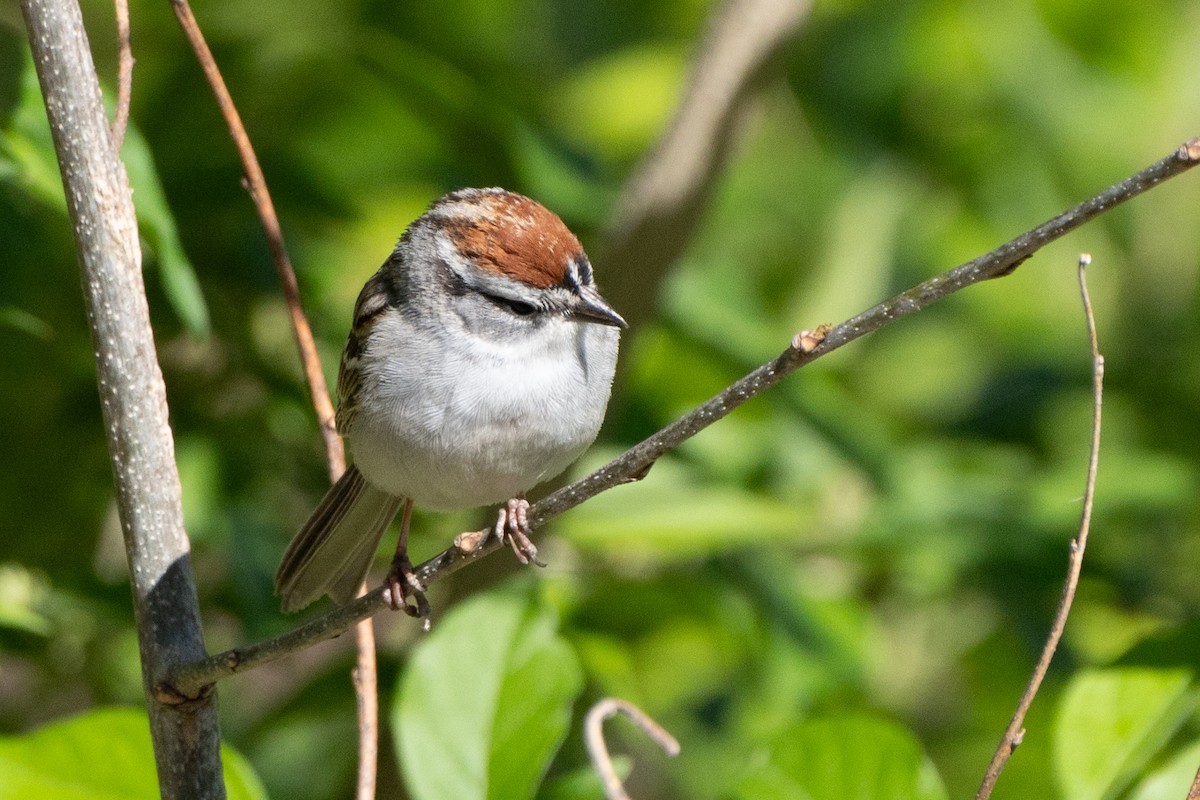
(637, 461)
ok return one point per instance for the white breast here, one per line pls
(465, 422)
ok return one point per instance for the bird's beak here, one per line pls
(591, 307)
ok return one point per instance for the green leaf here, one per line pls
(241, 781)
(20, 320)
(20, 593)
(485, 701)
(844, 758)
(156, 223)
(27, 158)
(1172, 781)
(583, 783)
(618, 104)
(1110, 722)
(102, 754)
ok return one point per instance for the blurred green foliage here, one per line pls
(99, 755)
(861, 564)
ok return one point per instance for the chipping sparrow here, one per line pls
(479, 365)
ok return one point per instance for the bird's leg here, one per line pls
(512, 528)
(401, 579)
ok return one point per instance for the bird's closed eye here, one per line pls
(518, 307)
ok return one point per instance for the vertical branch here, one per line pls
(132, 397)
(366, 696)
(1015, 731)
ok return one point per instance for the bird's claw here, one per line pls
(512, 528)
(402, 584)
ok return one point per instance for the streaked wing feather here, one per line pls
(374, 298)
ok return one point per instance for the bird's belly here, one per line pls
(453, 444)
(460, 466)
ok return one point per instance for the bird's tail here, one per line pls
(333, 551)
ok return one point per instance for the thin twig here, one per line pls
(365, 674)
(124, 75)
(635, 462)
(366, 696)
(593, 736)
(1014, 733)
(256, 185)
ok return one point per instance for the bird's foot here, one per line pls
(512, 528)
(402, 584)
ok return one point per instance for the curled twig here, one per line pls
(1014, 733)
(593, 736)
(637, 460)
